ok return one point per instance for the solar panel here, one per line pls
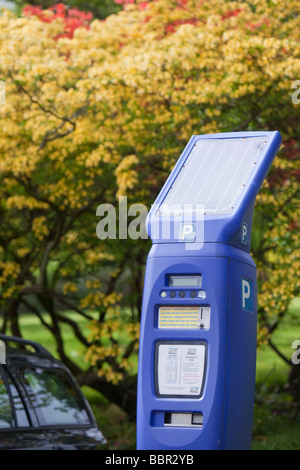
(213, 176)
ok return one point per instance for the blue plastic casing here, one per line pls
(225, 401)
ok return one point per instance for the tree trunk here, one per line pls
(11, 316)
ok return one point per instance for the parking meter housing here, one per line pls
(197, 356)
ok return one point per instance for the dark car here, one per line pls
(41, 405)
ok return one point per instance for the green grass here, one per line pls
(271, 369)
(276, 425)
(31, 328)
(118, 429)
(276, 419)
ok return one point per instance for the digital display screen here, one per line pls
(184, 280)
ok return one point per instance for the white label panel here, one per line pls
(180, 369)
(2, 352)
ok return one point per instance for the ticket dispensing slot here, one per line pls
(184, 420)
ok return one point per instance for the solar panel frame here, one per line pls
(215, 163)
(165, 227)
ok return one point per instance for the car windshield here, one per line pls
(53, 397)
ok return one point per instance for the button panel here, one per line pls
(182, 294)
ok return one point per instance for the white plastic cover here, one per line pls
(2, 352)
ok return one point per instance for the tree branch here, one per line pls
(285, 359)
(68, 304)
(37, 313)
(53, 134)
(75, 328)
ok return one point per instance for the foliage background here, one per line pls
(98, 108)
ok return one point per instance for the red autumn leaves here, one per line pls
(72, 17)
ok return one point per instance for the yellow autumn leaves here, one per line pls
(108, 112)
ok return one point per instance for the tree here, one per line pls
(105, 112)
(99, 8)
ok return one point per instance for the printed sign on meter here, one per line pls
(180, 368)
(197, 354)
(185, 317)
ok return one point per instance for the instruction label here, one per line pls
(184, 317)
(180, 369)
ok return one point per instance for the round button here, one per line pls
(163, 294)
(201, 294)
(172, 294)
(181, 294)
(193, 293)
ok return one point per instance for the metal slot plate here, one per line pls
(183, 420)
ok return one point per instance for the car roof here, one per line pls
(38, 355)
(17, 340)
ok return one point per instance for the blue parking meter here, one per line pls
(197, 356)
